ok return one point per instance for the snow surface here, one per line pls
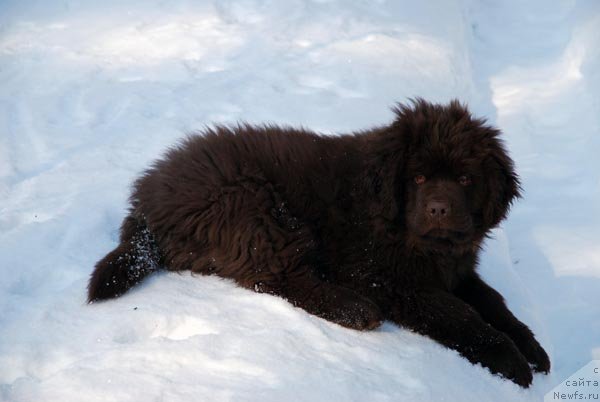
(91, 92)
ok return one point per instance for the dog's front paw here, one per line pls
(531, 349)
(504, 358)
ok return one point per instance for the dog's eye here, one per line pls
(420, 179)
(464, 180)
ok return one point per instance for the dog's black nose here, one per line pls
(438, 209)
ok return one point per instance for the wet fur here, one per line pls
(335, 225)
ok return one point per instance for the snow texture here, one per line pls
(92, 92)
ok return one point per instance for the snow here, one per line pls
(91, 92)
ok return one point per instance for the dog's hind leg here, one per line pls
(256, 240)
(135, 257)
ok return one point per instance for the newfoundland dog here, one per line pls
(384, 224)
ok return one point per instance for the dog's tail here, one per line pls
(136, 256)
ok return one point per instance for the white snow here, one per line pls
(91, 92)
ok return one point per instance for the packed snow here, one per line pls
(92, 92)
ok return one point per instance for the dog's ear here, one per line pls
(503, 185)
(382, 178)
(387, 151)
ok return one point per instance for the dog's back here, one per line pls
(194, 208)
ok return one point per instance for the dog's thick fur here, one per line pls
(379, 225)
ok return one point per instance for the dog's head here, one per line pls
(449, 180)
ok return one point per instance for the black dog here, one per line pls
(383, 224)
